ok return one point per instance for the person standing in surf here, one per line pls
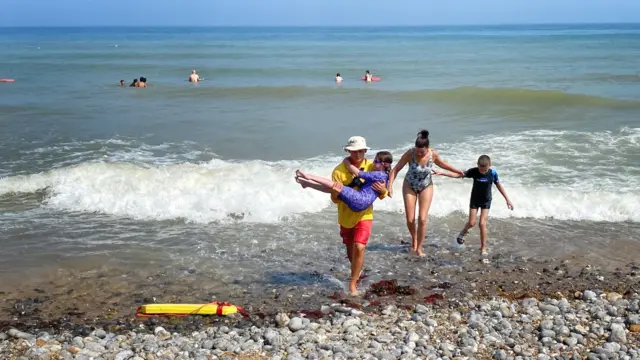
(417, 186)
(355, 226)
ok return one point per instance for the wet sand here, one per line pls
(108, 297)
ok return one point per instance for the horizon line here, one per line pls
(326, 26)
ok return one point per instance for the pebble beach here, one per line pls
(588, 325)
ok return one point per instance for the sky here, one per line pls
(312, 12)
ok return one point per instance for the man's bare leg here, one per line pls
(357, 262)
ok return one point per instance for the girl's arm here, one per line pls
(352, 168)
(443, 164)
(396, 169)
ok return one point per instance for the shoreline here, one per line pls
(94, 299)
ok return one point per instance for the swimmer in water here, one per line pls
(142, 82)
(134, 83)
(194, 77)
(367, 76)
(121, 83)
(338, 78)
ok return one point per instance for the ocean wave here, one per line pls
(468, 95)
(565, 175)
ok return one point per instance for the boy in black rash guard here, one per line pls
(483, 179)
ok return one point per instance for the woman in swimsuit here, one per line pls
(416, 186)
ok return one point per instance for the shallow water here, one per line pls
(99, 180)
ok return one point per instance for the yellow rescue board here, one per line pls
(188, 309)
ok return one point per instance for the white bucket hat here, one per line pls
(356, 143)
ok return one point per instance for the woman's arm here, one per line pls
(448, 173)
(443, 164)
(396, 169)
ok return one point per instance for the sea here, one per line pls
(119, 184)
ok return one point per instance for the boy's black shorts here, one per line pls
(480, 205)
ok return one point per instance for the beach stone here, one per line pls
(124, 355)
(571, 341)
(455, 317)
(421, 309)
(282, 320)
(295, 324)
(500, 355)
(95, 347)
(549, 308)
(613, 297)
(618, 334)
(589, 295)
(546, 325)
(384, 338)
(20, 335)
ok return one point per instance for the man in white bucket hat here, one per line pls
(355, 227)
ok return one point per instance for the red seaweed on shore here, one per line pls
(389, 287)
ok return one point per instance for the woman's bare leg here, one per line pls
(410, 199)
(424, 202)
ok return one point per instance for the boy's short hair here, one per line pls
(484, 160)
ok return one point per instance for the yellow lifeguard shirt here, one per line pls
(347, 217)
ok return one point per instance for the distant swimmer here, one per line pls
(121, 83)
(142, 82)
(338, 78)
(134, 83)
(194, 77)
(367, 76)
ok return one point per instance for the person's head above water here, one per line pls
(422, 143)
(121, 82)
(338, 74)
(356, 147)
(193, 71)
(135, 81)
(367, 72)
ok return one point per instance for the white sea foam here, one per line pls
(547, 174)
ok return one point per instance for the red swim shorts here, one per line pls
(358, 234)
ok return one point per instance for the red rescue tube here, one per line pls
(374, 78)
(7, 80)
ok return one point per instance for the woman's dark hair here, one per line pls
(134, 82)
(422, 141)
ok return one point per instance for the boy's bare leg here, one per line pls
(473, 213)
(484, 216)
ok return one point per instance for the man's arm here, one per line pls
(336, 176)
